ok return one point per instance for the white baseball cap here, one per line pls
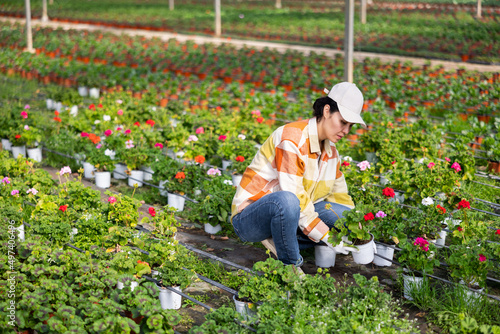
(349, 100)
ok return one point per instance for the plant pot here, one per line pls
(225, 164)
(324, 256)
(83, 91)
(74, 111)
(365, 253)
(176, 201)
(163, 192)
(236, 179)
(35, 154)
(493, 166)
(209, 228)
(102, 179)
(136, 177)
(398, 197)
(88, 170)
(442, 238)
(16, 150)
(133, 284)
(6, 145)
(94, 93)
(244, 308)
(119, 172)
(50, 104)
(170, 300)
(410, 284)
(58, 106)
(21, 234)
(385, 251)
(148, 173)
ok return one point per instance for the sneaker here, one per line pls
(269, 244)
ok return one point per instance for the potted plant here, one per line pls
(178, 187)
(33, 136)
(417, 257)
(354, 228)
(469, 264)
(100, 158)
(134, 154)
(238, 166)
(18, 143)
(427, 220)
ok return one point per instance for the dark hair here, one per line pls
(320, 104)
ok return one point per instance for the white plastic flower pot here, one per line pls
(83, 91)
(176, 201)
(136, 177)
(148, 173)
(16, 150)
(164, 191)
(20, 231)
(385, 251)
(324, 256)
(442, 238)
(49, 103)
(410, 284)
(244, 308)
(94, 93)
(170, 300)
(6, 145)
(88, 170)
(236, 179)
(365, 253)
(225, 164)
(119, 172)
(35, 154)
(74, 111)
(102, 179)
(58, 106)
(209, 228)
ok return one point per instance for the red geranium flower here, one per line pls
(180, 175)
(63, 208)
(56, 113)
(498, 231)
(57, 119)
(18, 136)
(137, 124)
(152, 211)
(443, 210)
(99, 105)
(108, 133)
(199, 159)
(369, 216)
(260, 119)
(460, 229)
(92, 107)
(150, 122)
(482, 258)
(346, 163)
(84, 134)
(240, 158)
(464, 204)
(388, 192)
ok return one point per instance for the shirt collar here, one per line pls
(314, 143)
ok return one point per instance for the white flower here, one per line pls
(106, 118)
(26, 127)
(33, 191)
(97, 121)
(153, 108)
(347, 158)
(427, 201)
(119, 101)
(193, 138)
(242, 136)
(110, 153)
(65, 170)
(228, 182)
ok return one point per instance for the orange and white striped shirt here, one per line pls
(288, 161)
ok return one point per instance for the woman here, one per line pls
(282, 196)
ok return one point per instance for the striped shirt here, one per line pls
(288, 161)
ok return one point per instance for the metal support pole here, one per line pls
(29, 36)
(45, 17)
(363, 11)
(479, 9)
(171, 4)
(218, 29)
(348, 40)
(278, 4)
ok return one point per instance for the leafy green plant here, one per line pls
(418, 255)
(469, 263)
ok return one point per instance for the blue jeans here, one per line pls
(277, 215)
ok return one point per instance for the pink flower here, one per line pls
(24, 114)
(26, 127)
(65, 170)
(129, 144)
(120, 112)
(482, 258)
(32, 190)
(127, 131)
(364, 165)
(98, 146)
(214, 171)
(27, 106)
(380, 214)
(84, 134)
(14, 192)
(200, 130)
(6, 180)
(222, 137)
(447, 159)
(456, 167)
(111, 199)
(192, 138)
(256, 112)
(108, 133)
(422, 243)
(160, 145)
(430, 165)
(118, 129)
